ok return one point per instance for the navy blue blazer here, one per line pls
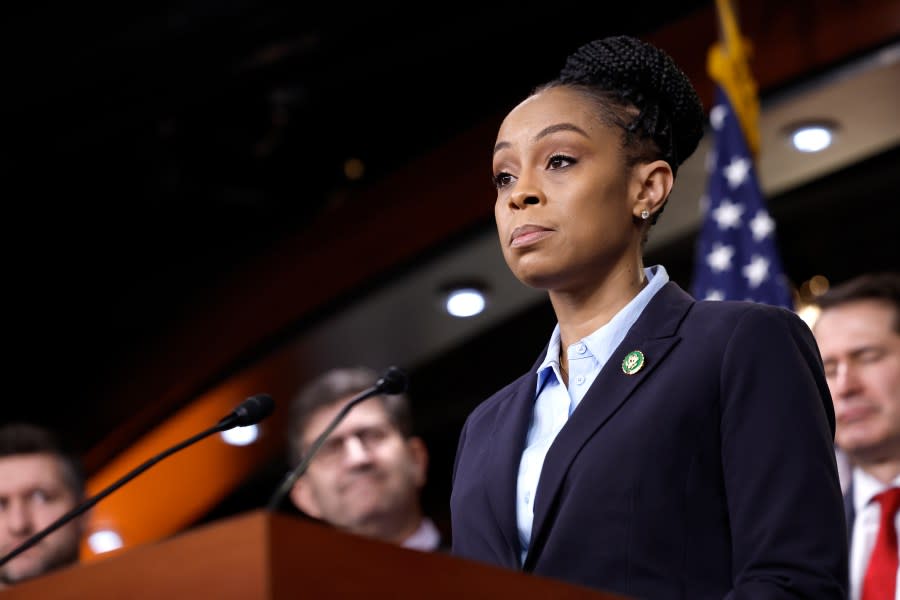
(710, 473)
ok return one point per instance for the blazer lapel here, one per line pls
(502, 462)
(654, 335)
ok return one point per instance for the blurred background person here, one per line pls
(858, 332)
(39, 483)
(368, 475)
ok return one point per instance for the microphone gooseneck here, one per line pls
(393, 381)
(251, 411)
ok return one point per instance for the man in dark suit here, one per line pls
(858, 332)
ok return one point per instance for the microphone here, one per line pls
(251, 411)
(393, 381)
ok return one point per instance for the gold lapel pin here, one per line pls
(634, 362)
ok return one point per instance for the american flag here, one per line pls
(737, 256)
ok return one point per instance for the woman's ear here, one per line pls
(653, 183)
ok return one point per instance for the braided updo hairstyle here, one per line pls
(641, 90)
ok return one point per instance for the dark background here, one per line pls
(157, 154)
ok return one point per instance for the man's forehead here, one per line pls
(849, 329)
(22, 471)
(851, 322)
(367, 413)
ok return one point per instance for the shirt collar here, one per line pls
(426, 538)
(657, 277)
(551, 360)
(866, 487)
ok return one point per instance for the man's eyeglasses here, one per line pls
(369, 438)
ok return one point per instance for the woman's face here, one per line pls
(565, 199)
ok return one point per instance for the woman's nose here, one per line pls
(525, 199)
(526, 193)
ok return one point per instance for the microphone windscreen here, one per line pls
(394, 381)
(254, 409)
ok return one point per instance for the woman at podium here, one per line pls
(660, 447)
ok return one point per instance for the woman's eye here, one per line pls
(558, 161)
(502, 180)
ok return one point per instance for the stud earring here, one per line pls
(645, 214)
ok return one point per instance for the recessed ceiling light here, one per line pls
(104, 540)
(812, 137)
(818, 285)
(465, 302)
(241, 436)
(354, 169)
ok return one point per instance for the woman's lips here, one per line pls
(525, 235)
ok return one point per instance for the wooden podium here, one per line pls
(262, 555)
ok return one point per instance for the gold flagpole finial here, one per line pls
(728, 64)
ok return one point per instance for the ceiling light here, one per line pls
(818, 285)
(465, 302)
(812, 137)
(809, 313)
(241, 436)
(104, 540)
(354, 169)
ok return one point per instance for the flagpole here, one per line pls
(736, 257)
(728, 65)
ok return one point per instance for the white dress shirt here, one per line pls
(865, 527)
(426, 538)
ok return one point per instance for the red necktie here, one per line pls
(881, 574)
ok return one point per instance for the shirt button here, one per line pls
(527, 497)
(579, 380)
(581, 348)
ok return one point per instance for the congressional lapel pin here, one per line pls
(634, 362)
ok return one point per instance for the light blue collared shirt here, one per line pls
(554, 403)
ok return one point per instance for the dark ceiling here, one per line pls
(155, 153)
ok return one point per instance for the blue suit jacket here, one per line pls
(709, 473)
